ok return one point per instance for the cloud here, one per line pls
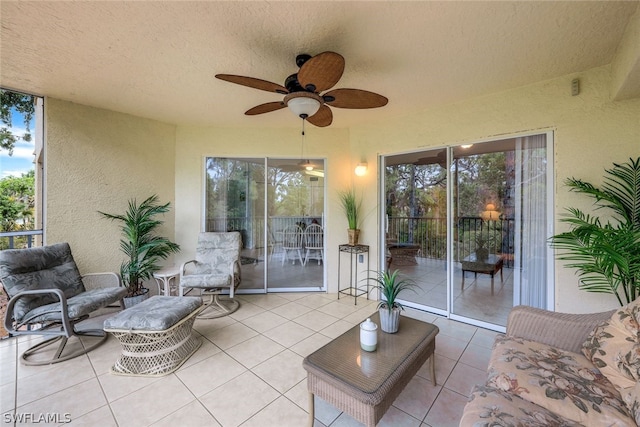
(16, 173)
(21, 162)
(20, 153)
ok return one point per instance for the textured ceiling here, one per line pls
(158, 59)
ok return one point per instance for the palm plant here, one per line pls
(142, 248)
(390, 285)
(606, 254)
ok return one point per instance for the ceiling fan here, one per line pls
(303, 90)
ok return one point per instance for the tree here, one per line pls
(21, 103)
(17, 202)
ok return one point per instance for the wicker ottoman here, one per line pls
(155, 335)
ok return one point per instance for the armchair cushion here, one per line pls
(216, 263)
(563, 382)
(38, 269)
(206, 280)
(217, 251)
(77, 306)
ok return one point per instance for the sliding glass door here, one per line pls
(295, 201)
(469, 224)
(271, 202)
(483, 227)
(416, 224)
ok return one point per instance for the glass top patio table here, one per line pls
(343, 358)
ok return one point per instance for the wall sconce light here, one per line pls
(361, 169)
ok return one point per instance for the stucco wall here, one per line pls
(590, 131)
(97, 160)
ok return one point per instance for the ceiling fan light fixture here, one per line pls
(303, 104)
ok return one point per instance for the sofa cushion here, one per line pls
(614, 346)
(565, 383)
(490, 406)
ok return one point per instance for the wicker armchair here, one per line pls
(49, 297)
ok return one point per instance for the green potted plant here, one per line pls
(351, 207)
(484, 244)
(390, 284)
(482, 251)
(606, 254)
(142, 248)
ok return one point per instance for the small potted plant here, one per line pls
(351, 207)
(141, 246)
(482, 251)
(390, 285)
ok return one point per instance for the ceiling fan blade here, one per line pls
(254, 83)
(321, 72)
(265, 108)
(355, 98)
(322, 118)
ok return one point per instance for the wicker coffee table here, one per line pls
(364, 384)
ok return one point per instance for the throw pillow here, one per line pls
(614, 346)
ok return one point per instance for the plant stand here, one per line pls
(355, 252)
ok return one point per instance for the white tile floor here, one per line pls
(248, 372)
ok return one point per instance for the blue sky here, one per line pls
(22, 159)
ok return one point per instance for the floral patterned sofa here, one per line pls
(559, 369)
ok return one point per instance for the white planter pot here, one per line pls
(389, 320)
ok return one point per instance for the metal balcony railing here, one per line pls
(20, 239)
(430, 234)
(252, 229)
